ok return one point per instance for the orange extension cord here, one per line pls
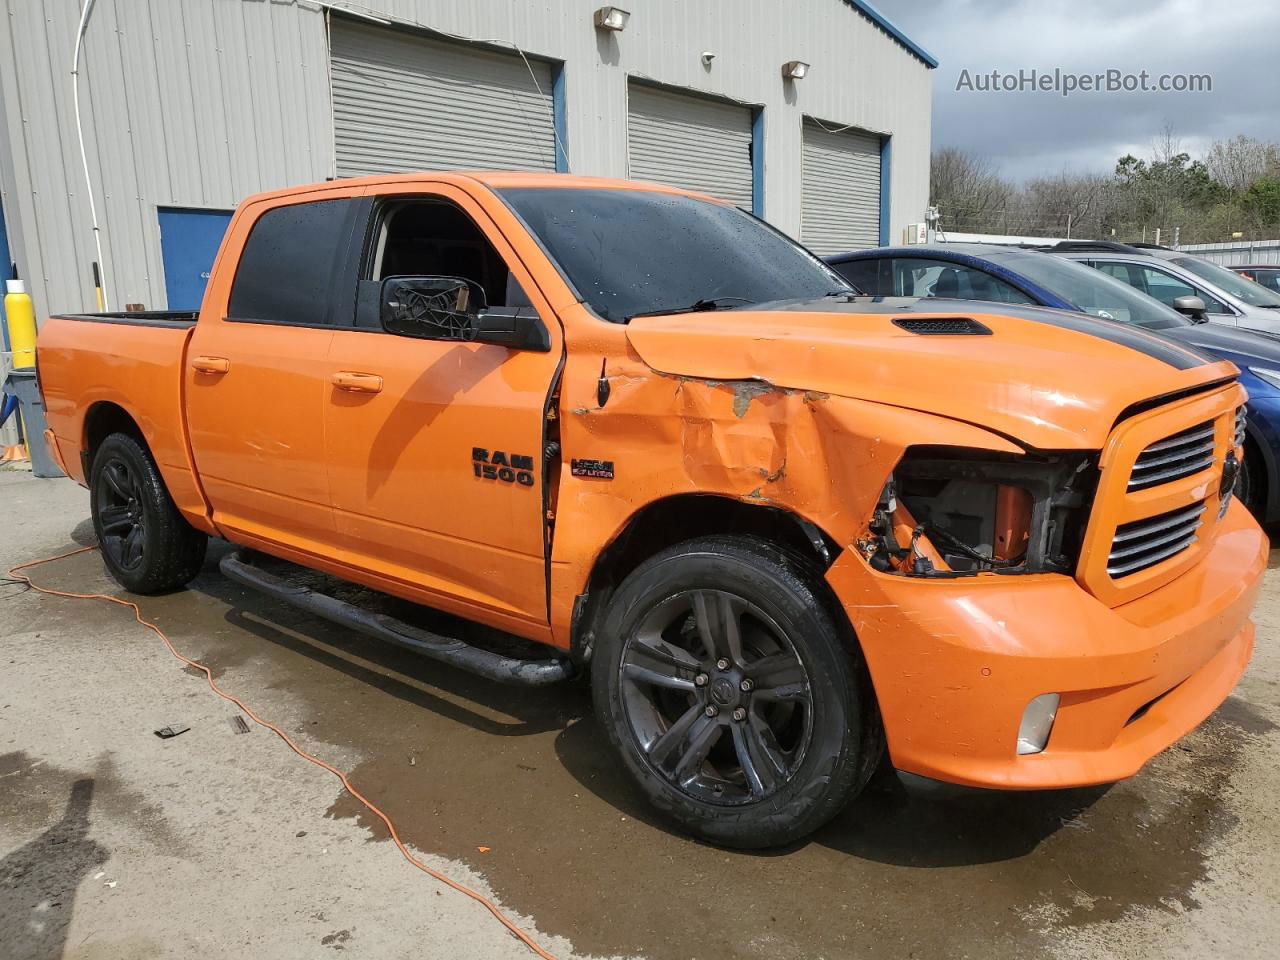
(473, 894)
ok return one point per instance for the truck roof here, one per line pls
(494, 179)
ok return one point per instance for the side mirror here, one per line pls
(1191, 306)
(519, 328)
(451, 308)
(430, 308)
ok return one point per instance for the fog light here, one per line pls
(1037, 723)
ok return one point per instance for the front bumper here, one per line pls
(955, 662)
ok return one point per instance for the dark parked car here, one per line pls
(1266, 274)
(1019, 276)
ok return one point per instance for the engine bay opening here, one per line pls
(947, 512)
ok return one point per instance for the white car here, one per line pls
(1171, 276)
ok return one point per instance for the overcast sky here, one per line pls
(1237, 42)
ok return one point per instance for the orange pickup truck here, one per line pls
(782, 526)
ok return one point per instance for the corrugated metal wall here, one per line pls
(186, 103)
(1237, 252)
(200, 102)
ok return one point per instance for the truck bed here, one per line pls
(97, 368)
(142, 318)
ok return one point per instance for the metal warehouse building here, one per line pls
(187, 106)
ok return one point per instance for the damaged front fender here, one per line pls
(822, 458)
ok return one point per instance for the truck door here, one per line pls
(257, 376)
(435, 448)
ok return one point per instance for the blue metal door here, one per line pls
(188, 243)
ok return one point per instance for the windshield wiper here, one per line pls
(698, 306)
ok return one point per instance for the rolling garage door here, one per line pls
(689, 142)
(841, 183)
(402, 103)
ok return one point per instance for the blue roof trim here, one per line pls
(887, 25)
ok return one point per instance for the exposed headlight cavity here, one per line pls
(955, 512)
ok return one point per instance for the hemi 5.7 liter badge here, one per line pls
(601, 469)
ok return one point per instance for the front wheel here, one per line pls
(732, 694)
(146, 544)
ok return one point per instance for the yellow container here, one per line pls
(22, 324)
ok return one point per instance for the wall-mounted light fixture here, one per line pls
(612, 18)
(794, 70)
(707, 57)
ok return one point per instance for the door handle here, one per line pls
(357, 382)
(210, 364)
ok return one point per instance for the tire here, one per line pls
(146, 544)
(759, 743)
(1251, 487)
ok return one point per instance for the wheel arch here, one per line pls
(674, 519)
(101, 420)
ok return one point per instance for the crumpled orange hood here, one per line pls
(1037, 378)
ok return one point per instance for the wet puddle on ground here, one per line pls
(912, 866)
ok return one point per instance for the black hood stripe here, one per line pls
(1126, 335)
(1147, 342)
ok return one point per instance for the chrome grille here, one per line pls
(1146, 542)
(1172, 458)
(1241, 416)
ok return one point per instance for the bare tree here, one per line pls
(967, 190)
(1069, 204)
(1240, 162)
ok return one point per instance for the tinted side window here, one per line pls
(921, 277)
(863, 274)
(290, 262)
(434, 238)
(1166, 288)
(1268, 278)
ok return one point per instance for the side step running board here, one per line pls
(236, 566)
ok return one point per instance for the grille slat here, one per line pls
(1143, 528)
(1200, 433)
(1184, 468)
(1145, 543)
(1173, 535)
(1181, 455)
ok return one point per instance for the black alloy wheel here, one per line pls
(717, 697)
(121, 519)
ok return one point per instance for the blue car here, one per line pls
(1012, 275)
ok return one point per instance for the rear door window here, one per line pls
(291, 262)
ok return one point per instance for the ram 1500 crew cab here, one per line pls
(784, 527)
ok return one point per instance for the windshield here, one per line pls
(640, 251)
(1090, 290)
(1228, 281)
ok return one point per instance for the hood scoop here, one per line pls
(942, 326)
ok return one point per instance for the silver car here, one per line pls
(1179, 279)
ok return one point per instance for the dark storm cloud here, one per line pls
(1028, 134)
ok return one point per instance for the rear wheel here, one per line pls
(731, 694)
(146, 544)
